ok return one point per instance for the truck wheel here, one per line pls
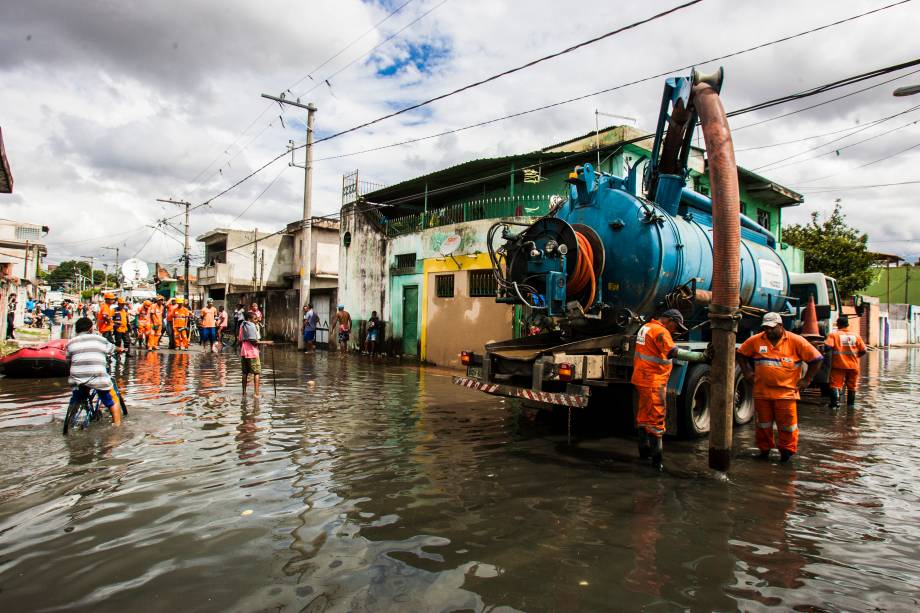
(744, 399)
(694, 402)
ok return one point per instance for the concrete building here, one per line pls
(416, 251)
(250, 266)
(21, 254)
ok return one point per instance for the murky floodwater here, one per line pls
(373, 486)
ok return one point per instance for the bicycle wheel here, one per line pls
(72, 409)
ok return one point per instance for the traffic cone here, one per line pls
(810, 320)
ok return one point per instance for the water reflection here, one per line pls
(365, 485)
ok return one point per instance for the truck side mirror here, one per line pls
(823, 311)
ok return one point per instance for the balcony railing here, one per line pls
(526, 205)
(216, 274)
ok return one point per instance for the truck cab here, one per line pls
(824, 290)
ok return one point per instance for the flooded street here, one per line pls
(369, 485)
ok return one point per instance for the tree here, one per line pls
(66, 273)
(834, 248)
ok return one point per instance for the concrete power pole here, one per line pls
(306, 243)
(185, 254)
(117, 266)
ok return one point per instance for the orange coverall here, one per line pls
(180, 326)
(156, 327)
(651, 369)
(846, 349)
(143, 322)
(777, 370)
(104, 318)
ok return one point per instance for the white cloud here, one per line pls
(107, 107)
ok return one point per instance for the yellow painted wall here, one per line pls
(451, 325)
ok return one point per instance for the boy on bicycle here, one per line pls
(88, 354)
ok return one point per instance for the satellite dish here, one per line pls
(450, 244)
(134, 270)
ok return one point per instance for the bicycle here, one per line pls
(81, 414)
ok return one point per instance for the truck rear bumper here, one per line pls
(512, 391)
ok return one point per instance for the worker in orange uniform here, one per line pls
(181, 317)
(652, 362)
(846, 347)
(171, 307)
(772, 362)
(143, 323)
(105, 318)
(120, 322)
(155, 316)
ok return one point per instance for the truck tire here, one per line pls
(693, 403)
(744, 399)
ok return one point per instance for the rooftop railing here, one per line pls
(524, 205)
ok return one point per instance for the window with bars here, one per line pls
(26, 233)
(405, 260)
(482, 284)
(444, 286)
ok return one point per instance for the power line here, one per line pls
(855, 129)
(825, 190)
(349, 45)
(373, 49)
(873, 162)
(777, 165)
(262, 193)
(570, 100)
(505, 73)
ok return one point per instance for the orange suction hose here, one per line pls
(584, 270)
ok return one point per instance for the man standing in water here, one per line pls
(248, 338)
(651, 369)
(772, 361)
(846, 347)
(341, 323)
(310, 321)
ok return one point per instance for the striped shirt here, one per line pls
(87, 353)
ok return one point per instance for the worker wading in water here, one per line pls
(143, 323)
(845, 347)
(180, 323)
(120, 322)
(155, 315)
(772, 362)
(651, 369)
(104, 318)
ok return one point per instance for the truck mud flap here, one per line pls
(511, 391)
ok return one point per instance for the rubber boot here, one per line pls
(764, 454)
(785, 455)
(645, 452)
(835, 399)
(657, 450)
(851, 399)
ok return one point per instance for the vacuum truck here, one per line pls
(607, 259)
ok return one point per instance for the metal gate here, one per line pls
(410, 320)
(321, 306)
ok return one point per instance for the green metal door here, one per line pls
(410, 320)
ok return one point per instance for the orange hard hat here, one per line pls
(121, 300)
(146, 303)
(108, 296)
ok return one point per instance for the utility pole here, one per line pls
(185, 255)
(255, 261)
(92, 261)
(117, 267)
(306, 243)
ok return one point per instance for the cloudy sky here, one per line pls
(106, 106)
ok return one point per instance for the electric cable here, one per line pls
(510, 71)
(872, 163)
(825, 190)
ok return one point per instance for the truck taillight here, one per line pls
(466, 358)
(565, 371)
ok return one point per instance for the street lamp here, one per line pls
(907, 90)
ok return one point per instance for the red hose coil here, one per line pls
(583, 274)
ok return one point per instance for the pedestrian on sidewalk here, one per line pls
(248, 338)
(845, 347)
(771, 361)
(310, 322)
(341, 323)
(373, 333)
(209, 325)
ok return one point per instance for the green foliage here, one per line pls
(834, 248)
(64, 274)
(87, 294)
